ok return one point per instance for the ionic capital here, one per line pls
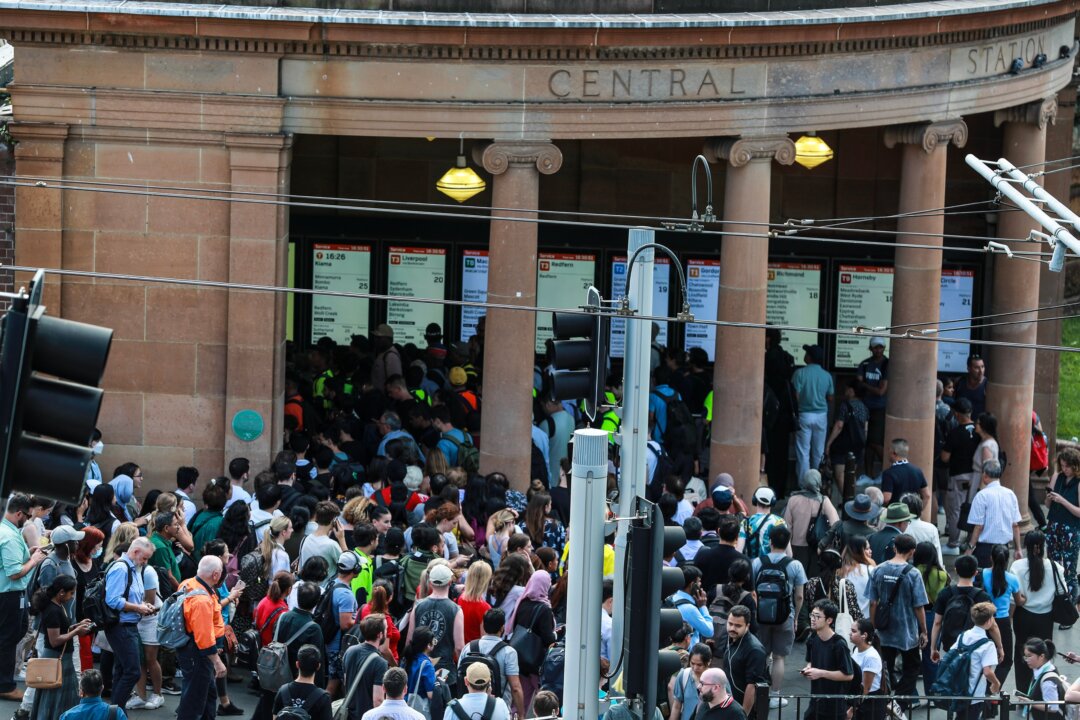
(498, 157)
(1039, 114)
(745, 149)
(929, 135)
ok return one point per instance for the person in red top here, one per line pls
(381, 595)
(396, 492)
(273, 606)
(472, 602)
(199, 659)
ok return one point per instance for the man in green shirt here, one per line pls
(166, 527)
(18, 562)
(205, 524)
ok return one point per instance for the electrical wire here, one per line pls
(219, 284)
(1059, 306)
(529, 218)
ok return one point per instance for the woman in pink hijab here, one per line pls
(532, 615)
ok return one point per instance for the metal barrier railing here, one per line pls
(1005, 704)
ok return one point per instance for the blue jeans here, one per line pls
(810, 441)
(198, 699)
(124, 640)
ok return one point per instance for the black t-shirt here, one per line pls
(730, 710)
(831, 654)
(352, 662)
(313, 699)
(55, 616)
(744, 662)
(902, 478)
(961, 443)
(714, 563)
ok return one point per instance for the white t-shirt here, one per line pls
(983, 656)
(869, 661)
(239, 494)
(189, 507)
(859, 577)
(258, 515)
(1041, 601)
(324, 547)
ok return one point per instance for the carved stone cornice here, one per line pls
(743, 150)
(1039, 114)
(39, 142)
(930, 135)
(497, 157)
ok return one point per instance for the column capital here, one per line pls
(739, 151)
(497, 157)
(1040, 113)
(930, 134)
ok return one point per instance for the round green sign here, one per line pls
(247, 425)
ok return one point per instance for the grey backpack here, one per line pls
(272, 666)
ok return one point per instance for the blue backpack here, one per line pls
(171, 627)
(954, 672)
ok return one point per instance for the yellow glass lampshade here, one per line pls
(811, 151)
(460, 182)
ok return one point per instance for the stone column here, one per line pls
(510, 334)
(1011, 371)
(917, 285)
(258, 254)
(739, 372)
(1051, 284)
(39, 222)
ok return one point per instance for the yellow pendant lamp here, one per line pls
(811, 151)
(461, 182)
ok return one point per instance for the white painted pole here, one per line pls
(588, 491)
(635, 418)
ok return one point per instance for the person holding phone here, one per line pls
(1048, 686)
(328, 539)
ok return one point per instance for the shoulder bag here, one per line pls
(530, 647)
(1063, 610)
(418, 702)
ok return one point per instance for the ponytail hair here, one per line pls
(1046, 648)
(999, 558)
(44, 596)
(1035, 543)
(866, 627)
(379, 601)
(280, 586)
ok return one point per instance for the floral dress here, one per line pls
(1063, 530)
(554, 535)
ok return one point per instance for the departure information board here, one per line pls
(702, 290)
(660, 304)
(474, 280)
(419, 273)
(341, 268)
(561, 281)
(863, 299)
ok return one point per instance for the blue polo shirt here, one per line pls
(116, 579)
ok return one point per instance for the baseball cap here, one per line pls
(348, 561)
(458, 376)
(816, 352)
(877, 342)
(765, 497)
(478, 675)
(722, 497)
(441, 575)
(65, 534)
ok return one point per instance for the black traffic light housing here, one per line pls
(581, 354)
(49, 400)
(648, 626)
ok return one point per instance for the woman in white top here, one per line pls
(272, 547)
(856, 568)
(986, 429)
(869, 660)
(1034, 619)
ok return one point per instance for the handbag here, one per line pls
(1063, 611)
(44, 673)
(530, 648)
(844, 620)
(416, 701)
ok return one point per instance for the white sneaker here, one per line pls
(777, 702)
(950, 550)
(136, 703)
(153, 702)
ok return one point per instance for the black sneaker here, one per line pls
(169, 689)
(229, 709)
(21, 714)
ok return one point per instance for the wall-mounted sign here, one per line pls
(957, 290)
(420, 273)
(863, 299)
(474, 280)
(703, 291)
(660, 305)
(794, 297)
(343, 268)
(561, 281)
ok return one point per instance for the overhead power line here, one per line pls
(224, 285)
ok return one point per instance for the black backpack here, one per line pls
(773, 595)
(680, 435)
(289, 711)
(551, 672)
(883, 614)
(324, 614)
(957, 616)
(94, 605)
(472, 655)
(487, 714)
(665, 468)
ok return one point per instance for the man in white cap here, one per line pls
(443, 617)
(754, 534)
(477, 703)
(873, 375)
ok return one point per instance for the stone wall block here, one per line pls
(184, 420)
(121, 418)
(210, 370)
(84, 210)
(213, 258)
(215, 73)
(151, 367)
(80, 66)
(180, 215)
(77, 249)
(251, 319)
(121, 307)
(181, 314)
(143, 253)
(163, 165)
(256, 380)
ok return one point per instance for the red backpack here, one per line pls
(1040, 452)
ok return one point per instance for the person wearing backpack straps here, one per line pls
(756, 530)
(91, 706)
(664, 401)
(199, 658)
(492, 645)
(683, 686)
(779, 603)
(1047, 683)
(477, 703)
(952, 610)
(364, 667)
(898, 610)
(809, 514)
(974, 646)
(303, 694)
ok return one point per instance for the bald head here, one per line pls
(713, 686)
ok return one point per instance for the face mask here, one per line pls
(97, 553)
(98, 447)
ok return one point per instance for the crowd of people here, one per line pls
(371, 566)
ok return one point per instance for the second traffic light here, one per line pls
(581, 354)
(648, 625)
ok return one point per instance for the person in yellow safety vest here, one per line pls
(708, 408)
(319, 359)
